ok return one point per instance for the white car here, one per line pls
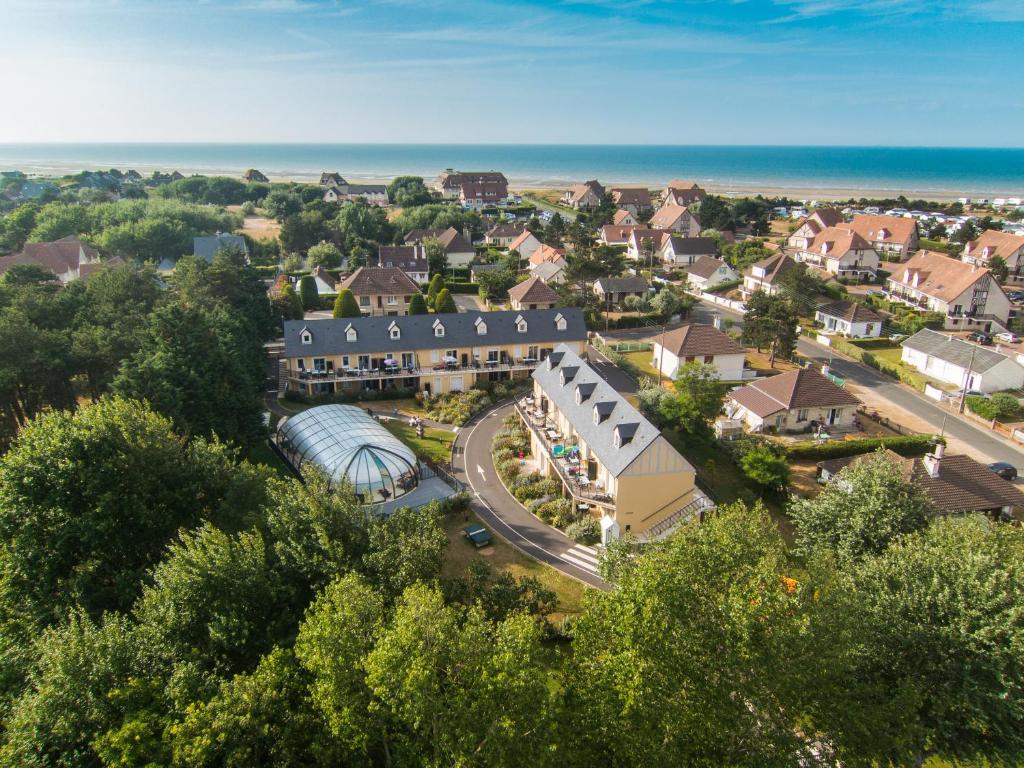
(1008, 338)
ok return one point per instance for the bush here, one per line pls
(456, 407)
(558, 512)
(905, 445)
(509, 469)
(584, 531)
(1002, 406)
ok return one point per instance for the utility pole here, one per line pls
(967, 379)
(661, 357)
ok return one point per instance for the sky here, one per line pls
(862, 72)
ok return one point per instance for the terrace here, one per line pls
(391, 369)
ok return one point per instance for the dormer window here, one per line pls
(568, 374)
(394, 331)
(560, 322)
(520, 324)
(624, 434)
(481, 327)
(584, 391)
(603, 410)
(554, 359)
(438, 329)
(350, 333)
(305, 336)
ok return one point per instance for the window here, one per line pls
(319, 364)
(801, 414)
(616, 441)
(392, 300)
(560, 322)
(344, 361)
(438, 329)
(364, 301)
(481, 327)
(364, 362)
(395, 331)
(351, 334)
(307, 337)
(407, 360)
(492, 355)
(434, 356)
(302, 364)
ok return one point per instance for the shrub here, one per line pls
(508, 469)
(584, 531)
(905, 445)
(1002, 406)
(557, 512)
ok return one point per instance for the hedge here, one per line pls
(462, 287)
(1002, 406)
(904, 445)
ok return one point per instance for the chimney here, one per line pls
(934, 459)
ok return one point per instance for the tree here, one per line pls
(437, 258)
(699, 395)
(288, 304)
(361, 228)
(866, 508)
(444, 303)
(766, 467)
(345, 304)
(499, 594)
(554, 230)
(494, 285)
(770, 321)
(308, 293)
(408, 191)
(799, 285)
(324, 255)
(666, 303)
(965, 233)
(436, 284)
(1000, 271)
(704, 622)
(282, 203)
(417, 305)
(405, 548)
(304, 230)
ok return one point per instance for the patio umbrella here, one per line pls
(450, 359)
(390, 361)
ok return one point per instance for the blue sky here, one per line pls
(903, 72)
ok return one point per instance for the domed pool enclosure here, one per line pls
(348, 444)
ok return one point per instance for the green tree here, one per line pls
(862, 512)
(408, 191)
(699, 395)
(771, 322)
(308, 293)
(282, 203)
(304, 230)
(417, 304)
(444, 302)
(436, 284)
(666, 303)
(361, 228)
(494, 285)
(1000, 271)
(345, 304)
(405, 548)
(288, 304)
(437, 258)
(324, 255)
(766, 467)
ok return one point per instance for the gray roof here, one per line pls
(628, 284)
(693, 246)
(954, 350)
(623, 417)
(548, 269)
(207, 246)
(417, 332)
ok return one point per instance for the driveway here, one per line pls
(506, 516)
(619, 380)
(468, 302)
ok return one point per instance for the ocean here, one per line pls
(912, 171)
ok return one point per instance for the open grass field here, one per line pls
(504, 557)
(642, 360)
(435, 445)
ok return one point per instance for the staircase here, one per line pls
(694, 510)
(282, 378)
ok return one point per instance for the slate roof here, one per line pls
(408, 258)
(803, 388)
(417, 332)
(850, 311)
(206, 247)
(629, 284)
(598, 437)
(549, 269)
(379, 280)
(705, 266)
(532, 290)
(695, 339)
(954, 350)
(962, 485)
(692, 246)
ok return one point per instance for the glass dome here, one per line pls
(347, 443)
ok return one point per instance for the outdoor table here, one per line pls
(584, 481)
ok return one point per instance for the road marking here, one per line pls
(481, 471)
(581, 557)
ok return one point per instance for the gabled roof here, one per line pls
(419, 235)
(821, 218)
(803, 388)
(532, 290)
(850, 311)
(999, 244)
(836, 242)
(656, 236)
(631, 196)
(379, 280)
(526, 235)
(775, 265)
(694, 339)
(207, 246)
(691, 246)
(546, 253)
(617, 233)
(668, 215)
(408, 258)
(549, 269)
(578, 192)
(505, 230)
(955, 351)
(937, 275)
(451, 239)
(57, 256)
(706, 266)
(621, 215)
(327, 277)
(417, 332)
(627, 284)
(887, 229)
(622, 416)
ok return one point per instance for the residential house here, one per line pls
(676, 218)
(326, 283)
(503, 235)
(694, 343)
(207, 246)
(551, 272)
(481, 194)
(796, 401)
(332, 179)
(953, 485)
(66, 259)
(610, 459)
(525, 245)
(616, 234)
(849, 318)
(457, 248)
(614, 290)
(708, 273)
(583, 197)
(411, 259)
(372, 194)
(451, 182)
(764, 275)
(992, 244)
(546, 253)
(643, 243)
(841, 252)
(679, 251)
(636, 200)
(477, 270)
(679, 192)
(625, 219)
(428, 353)
(894, 238)
(960, 363)
(381, 290)
(532, 293)
(809, 226)
(253, 175)
(966, 295)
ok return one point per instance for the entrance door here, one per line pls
(833, 415)
(456, 384)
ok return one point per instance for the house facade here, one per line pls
(625, 219)
(384, 291)
(894, 238)
(643, 244)
(841, 252)
(635, 200)
(708, 272)
(951, 360)
(532, 293)
(680, 192)
(797, 401)
(451, 182)
(66, 259)
(503, 235)
(1004, 245)
(611, 461)
(551, 272)
(764, 275)
(679, 251)
(966, 295)
(457, 248)
(428, 353)
(411, 259)
(809, 226)
(676, 218)
(849, 318)
(613, 291)
(583, 197)
(544, 254)
(372, 194)
(525, 245)
(695, 343)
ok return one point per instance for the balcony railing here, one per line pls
(577, 484)
(405, 372)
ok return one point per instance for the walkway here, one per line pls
(506, 516)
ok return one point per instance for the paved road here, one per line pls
(506, 516)
(899, 394)
(619, 380)
(467, 302)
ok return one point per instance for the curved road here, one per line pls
(506, 516)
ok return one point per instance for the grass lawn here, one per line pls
(642, 360)
(504, 557)
(894, 356)
(435, 445)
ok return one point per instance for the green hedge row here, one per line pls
(858, 352)
(905, 445)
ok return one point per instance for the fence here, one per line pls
(630, 346)
(429, 469)
(735, 306)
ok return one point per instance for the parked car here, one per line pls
(874, 292)
(1004, 470)
(981, 338)
(1015, 296)
(1008, 338)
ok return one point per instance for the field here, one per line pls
(435, 445)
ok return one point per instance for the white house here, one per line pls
(701, 344)
(764, 275)
(326, 284)
(708, 272)
(793, 402)
(677, 250)
(960, 363)
(1004, 245)
(842, 252)
(850, 318)
(525, 245)
(809, 227)
(644, 244)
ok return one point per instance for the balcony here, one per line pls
(568, 467)
(406, 372)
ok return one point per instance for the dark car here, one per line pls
(982, 338)
(1004, 470)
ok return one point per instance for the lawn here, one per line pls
(435, 445)
(642, 360)
(504, 557)
(894, 356)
